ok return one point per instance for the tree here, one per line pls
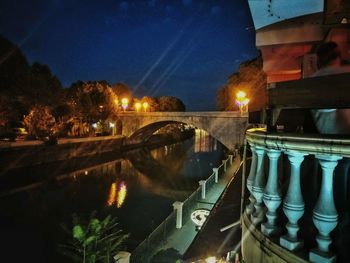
(251, 79)
(91, 101)
(45, 87)
(169, 103)
(39, 122)
(121, 90)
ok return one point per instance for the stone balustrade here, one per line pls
(265, 194)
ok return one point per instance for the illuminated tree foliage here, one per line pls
(91, 101)
(94, 241)
(251, 79)
(39, 122)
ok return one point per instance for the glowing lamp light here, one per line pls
(137, 106)
(125, 103)
(242, 101)
(145, 106)
(94, 125)
(241, 95)
(111, 125)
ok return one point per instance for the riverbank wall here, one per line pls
(14, 155)
(23, 154)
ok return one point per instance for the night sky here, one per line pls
(183, 48)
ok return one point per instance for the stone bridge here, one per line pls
(227, 127)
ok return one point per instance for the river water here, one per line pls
(138, 187)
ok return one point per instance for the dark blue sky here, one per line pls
(183, 48)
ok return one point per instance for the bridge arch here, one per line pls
(145, 132)
(226, 127)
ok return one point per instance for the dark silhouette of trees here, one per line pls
(251, 79)
(169, 103)
(91, 101)
(121, 90)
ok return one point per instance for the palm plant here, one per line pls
(95, 241)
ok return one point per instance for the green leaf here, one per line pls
(78, 233)
(89, 240)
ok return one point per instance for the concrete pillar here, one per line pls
(272, 197)
(259, 185)
(178, 208)
(250, 180)
(202, 184)
(122, 257)
(293, 205)
(325, 215)
(216, 172)
(224, 164)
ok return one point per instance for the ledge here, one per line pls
(258, 248)
(308, 143)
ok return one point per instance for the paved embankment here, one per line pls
(182, 238)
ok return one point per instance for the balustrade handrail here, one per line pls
(265, 190)
(139, 250)
(309, 143)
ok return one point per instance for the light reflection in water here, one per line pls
(117, 194)
(204, 142)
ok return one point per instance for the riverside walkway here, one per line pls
(176, 242)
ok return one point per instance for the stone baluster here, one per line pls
(272, 197)
(250, 180)
(202, 184)
(293, 204)
(230, 157)
(325, 215)
(258, 185)
(224, 164)
(178, 209)
(216, 174)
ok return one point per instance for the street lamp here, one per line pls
(125, 103)
(137, 106)
(145, 106)
(242, 101)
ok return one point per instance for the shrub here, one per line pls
(93, 241)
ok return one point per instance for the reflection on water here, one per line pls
(138, 189)
(204, 142)
(117, 194)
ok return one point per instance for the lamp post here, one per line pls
(137, 106)
(242, 101)
(145, 106)
(125, 103)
